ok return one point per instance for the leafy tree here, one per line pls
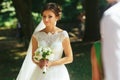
(7, 14)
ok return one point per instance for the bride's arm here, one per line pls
(34, 47)
(68, 54)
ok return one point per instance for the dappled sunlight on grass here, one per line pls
(21, 54)
(3, 38)
(80, 69)
(79, 54)
(12, 54)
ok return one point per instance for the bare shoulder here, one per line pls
(59, 29)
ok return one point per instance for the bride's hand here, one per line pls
(43, 63)
(49, 64)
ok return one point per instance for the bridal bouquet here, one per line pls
(42, 53)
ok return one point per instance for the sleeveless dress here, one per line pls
(53, 41)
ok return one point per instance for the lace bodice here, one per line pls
(54, 41)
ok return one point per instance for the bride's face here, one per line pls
(49, 18)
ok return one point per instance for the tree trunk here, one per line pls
(92, 32)
(1, 1)
(23, 13)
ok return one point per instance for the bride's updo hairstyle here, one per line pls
(55, 8)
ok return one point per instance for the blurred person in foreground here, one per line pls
(110, 36)
(110, 3)
(96, 57)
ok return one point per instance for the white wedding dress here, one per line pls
(58, 72)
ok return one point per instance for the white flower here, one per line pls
(42, 53)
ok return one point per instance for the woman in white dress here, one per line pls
(47, 34)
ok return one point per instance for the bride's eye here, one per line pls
(44, 16)
(49, 16)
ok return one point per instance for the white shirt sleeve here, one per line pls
(110, 35)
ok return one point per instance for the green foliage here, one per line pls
(36, 17)
(11, 23)
(102, 2)
(71, 9)
(7, 16)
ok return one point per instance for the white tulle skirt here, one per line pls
(53, 73)
(30, 71)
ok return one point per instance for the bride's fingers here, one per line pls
(40, 65)
(49, 64)
(43, 63)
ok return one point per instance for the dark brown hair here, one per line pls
(55, 8)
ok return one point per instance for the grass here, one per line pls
(80, 69)
(12, 55)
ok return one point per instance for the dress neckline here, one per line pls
(49, 33)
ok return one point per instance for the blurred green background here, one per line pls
(18, 19)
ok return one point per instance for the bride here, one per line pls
(47, 34)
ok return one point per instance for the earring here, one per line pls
(55, 22)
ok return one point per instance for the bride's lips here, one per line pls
(46, 23)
